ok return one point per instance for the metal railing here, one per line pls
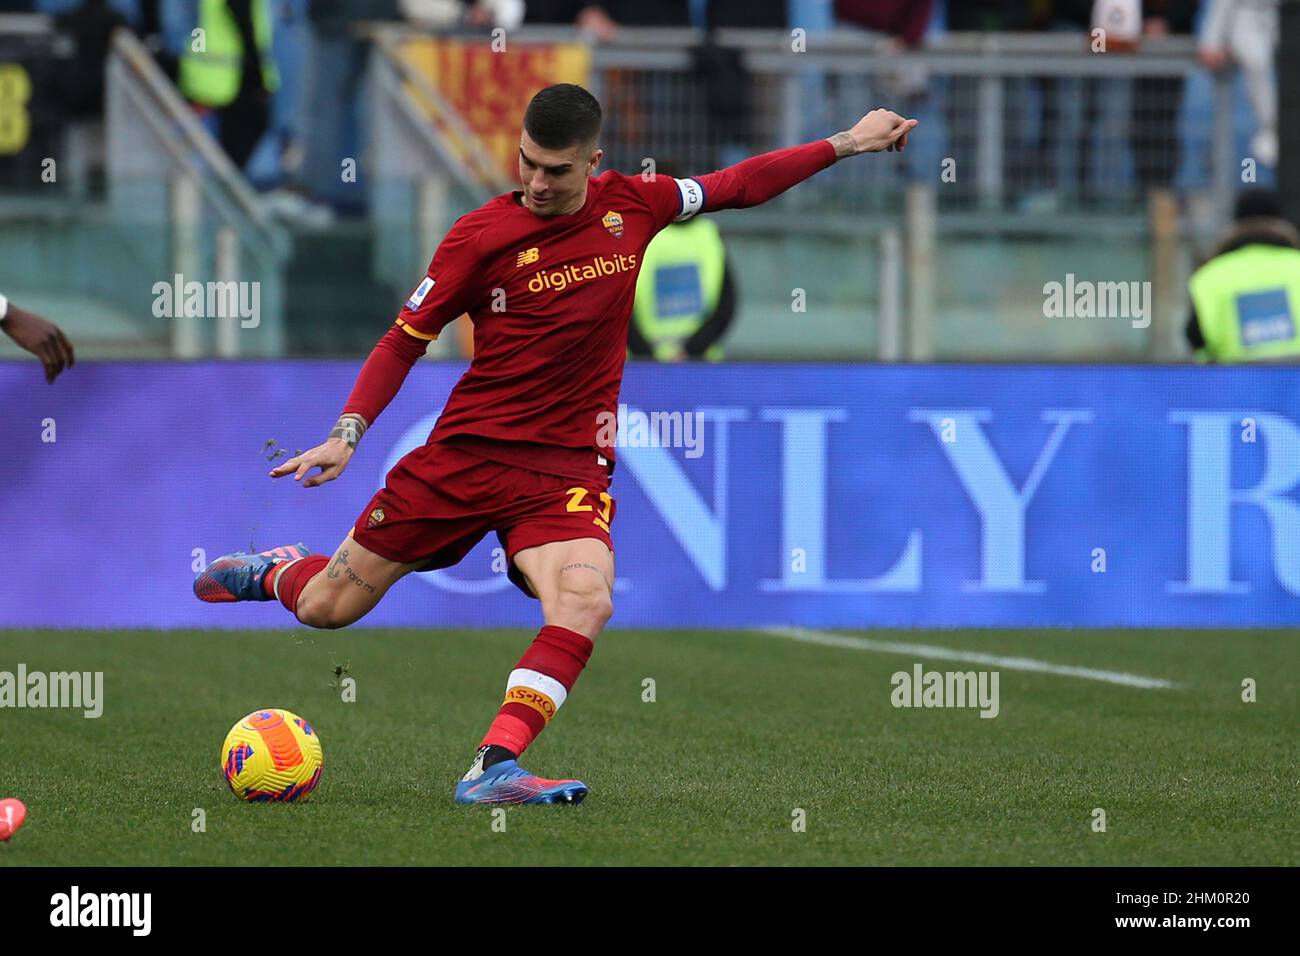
(426, 167)
(1031, 140)
(190, 213)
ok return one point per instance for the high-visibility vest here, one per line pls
(1248, 304)
(679, 285)
(211, 77)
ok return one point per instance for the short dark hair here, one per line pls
(561, 116)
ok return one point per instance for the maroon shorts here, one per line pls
(439, 501)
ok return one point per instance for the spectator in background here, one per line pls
(233, 74)
(725, 86)
(90, 26)
(1074, 149)
(449, 14)
(335, 81)
(905, 21)
(79, 83)
(1246, 32)
(900, 27)
(1246, 298)
(336, 66)
(1157, 100)
(685, 294)
(756, 14)
(153, 27)
(1070, 117)
(278, 156)
(602, 18)
(965, 15)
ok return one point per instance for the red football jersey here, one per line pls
(550, 298)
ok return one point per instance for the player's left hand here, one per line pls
(880, 131)
(42, 338)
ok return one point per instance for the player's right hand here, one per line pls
(331, 458)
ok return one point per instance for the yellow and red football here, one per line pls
(272, 755)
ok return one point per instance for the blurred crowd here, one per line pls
(279, 82)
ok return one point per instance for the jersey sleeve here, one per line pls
(759, 179)
(449, 288)
(672, 200)
(749, 183)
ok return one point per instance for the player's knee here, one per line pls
(585, 606)
(320, 611)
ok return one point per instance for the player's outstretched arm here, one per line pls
(756, 180)
(380, 379)
(877, 132)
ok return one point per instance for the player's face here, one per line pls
(554, 181)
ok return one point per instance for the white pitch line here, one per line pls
(949, 654)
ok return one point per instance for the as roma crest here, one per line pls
(376, 517)
(614, 223)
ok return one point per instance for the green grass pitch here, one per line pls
(745, 729)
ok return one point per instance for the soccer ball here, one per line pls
(272, 755)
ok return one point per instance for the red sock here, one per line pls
(537, 687)
(293, 577)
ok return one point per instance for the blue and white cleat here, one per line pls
(507, 782)
(238, 576)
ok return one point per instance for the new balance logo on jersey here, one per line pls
(527, 257)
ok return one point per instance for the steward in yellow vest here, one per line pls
(229, 68)
(1246, 298)
(685, 295)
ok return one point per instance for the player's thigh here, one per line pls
(573, 579)
(352, 583)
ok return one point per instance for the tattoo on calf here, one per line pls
(336, 565)
(359, 582)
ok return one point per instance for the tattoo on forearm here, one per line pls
(337, 564)
(591, 567)
(843, 144)
(350, 428)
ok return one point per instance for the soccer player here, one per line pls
(547, 274)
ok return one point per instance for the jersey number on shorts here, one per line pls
(606, 503)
